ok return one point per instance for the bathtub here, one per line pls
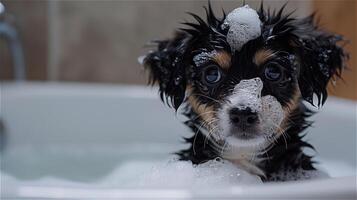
(59, 139)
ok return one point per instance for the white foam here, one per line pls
(247, 95)
(151, 174)
(272, 114)
(210, 174)
(203, 57)
(169, 174)
(180, 174)
(244, 25)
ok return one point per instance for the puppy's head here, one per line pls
(242, 75)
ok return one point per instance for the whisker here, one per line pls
(224, 146)
(210, 133)
(205, 113)
(194, 139)
(206, 124)
(196, 94)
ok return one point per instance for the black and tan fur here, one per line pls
(310, 58)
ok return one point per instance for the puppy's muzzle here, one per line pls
(244, 109)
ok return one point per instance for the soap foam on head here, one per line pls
(243, 25)
(202, 58)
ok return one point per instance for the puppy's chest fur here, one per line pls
(286, 154)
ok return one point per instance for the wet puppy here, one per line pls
(241, 80)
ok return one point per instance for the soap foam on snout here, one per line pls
(247, 94)
(272, 115)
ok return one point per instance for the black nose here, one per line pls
(243, 118)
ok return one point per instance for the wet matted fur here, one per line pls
(291, 61)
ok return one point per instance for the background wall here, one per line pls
(99, 41)
(341, 17)
(31, 20)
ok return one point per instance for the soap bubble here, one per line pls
(244, 25)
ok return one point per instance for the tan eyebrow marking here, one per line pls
(262, 55)
(223, 59)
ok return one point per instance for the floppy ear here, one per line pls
(167, 66)
(321, 59)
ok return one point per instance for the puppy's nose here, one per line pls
(243, 118)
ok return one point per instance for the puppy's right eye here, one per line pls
(273, 72)
(212, 74)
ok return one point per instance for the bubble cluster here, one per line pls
(243, 25)
(209, 174)
(272, 114)
(247, 95)
(203, 57)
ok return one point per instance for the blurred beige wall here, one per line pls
(100, 40)
(341, 17)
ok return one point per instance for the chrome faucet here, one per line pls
(9, 33)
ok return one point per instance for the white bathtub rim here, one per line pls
(332, 188)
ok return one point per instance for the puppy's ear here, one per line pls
(167, 67)
(321, 58)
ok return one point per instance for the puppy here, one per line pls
(241, 80)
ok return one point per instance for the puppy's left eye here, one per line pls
(273, 72)
(212, 74)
